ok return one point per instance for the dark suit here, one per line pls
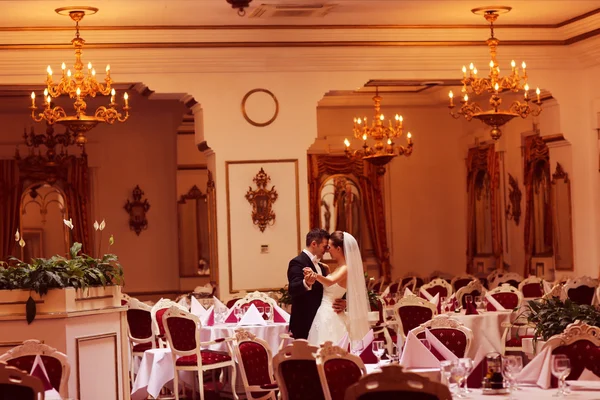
(305, 303)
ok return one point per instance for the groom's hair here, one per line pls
(317, 235)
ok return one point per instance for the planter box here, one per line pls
(61, 300)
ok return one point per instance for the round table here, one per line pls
(270, 333)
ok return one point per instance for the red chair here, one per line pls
(437, 286)
(254, 361)
(460, 281)
(532, 287)
(139, 331)
(581, 290)
(393, 383)
(453, 334)
(511, 278)
(56, 363)
(412, 311)
(183, 334)
(473, 288)
(338, 370)
(296, 372)
(508, 297)
(259, 299)
(157, 311)
(581, 344)
(18, 385)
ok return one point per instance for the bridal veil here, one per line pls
(357, 299)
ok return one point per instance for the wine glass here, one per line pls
(261, 311)
(485, 303)
(467, 363)
(517, 368)
(468, 299)
(377, 347)
(478, 301)
(510, 371)
(443, 303)
(238, 313)
(561, 368)
(446, 370)
(357, 347)
(458, 374)
(269, 312)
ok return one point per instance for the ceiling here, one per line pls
(118, 13)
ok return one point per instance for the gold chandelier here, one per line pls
(495, 85)
(78, 86)
(384, 148)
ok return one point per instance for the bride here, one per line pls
(349, 276)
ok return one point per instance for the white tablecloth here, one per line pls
(487, 323)
(535, 393)
(269, 333)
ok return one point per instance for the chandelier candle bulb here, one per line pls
(464, 70)
(126, 97)
(32, 99)
(112, 96)
(347, 142)
(537, 92)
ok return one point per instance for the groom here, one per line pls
(306, 292)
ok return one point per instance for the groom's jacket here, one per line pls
(305, 303)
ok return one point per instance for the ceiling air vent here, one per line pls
(291, 10)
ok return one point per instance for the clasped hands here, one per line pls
(310, 277)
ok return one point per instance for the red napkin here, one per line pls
(476, 378)
(40, 372)
(231, 317)
(210, 321)
(277, 317)
(471, 309)
(367, 355)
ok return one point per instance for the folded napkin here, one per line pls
(367, 355)
(52, 394)
(493, 304)
(184, 302)
(344, 342)
(471, 309)
(416, 355)
(218, 304)
(280, 315)
(438, 346)
(408, 292)
(198, 310)
(539, 370)
(231, 318)
(39, 371)
(547, 287)
(588, 375)
(252, 317)
(435, 300)
(479, 362)
(426, 294)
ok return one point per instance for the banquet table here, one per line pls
(270, 333)
(536, 393)
(487, 323)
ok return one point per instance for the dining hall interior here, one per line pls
(162, 161)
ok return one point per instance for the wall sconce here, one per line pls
(137, 210)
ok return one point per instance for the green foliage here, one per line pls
(552, 316)
(284, 294)
(80, 271)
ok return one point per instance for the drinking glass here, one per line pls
(261, 311)
(443, 304)
(478, 301)
(485, 303)
(378, 349)
(269, 312)
(517, 367)
(446, 370)
(510, 369)
(357, 347)
(238, 313)
(467, 363)
(561, 368)
(458, 374)
(468, 299)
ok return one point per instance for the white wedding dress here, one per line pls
(328, 325)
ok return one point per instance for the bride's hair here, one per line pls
(337, 239)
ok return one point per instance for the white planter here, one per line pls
(373, 317)
(61, 300)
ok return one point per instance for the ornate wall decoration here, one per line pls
(137, 210)
(262, 201)
(513, 210)
(245, 112)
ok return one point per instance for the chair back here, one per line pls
(157, 311)
(378, 286)
(56, 363)
(580, 342)
(460, 281)
(139, 322)
(16, 384)
(254, 361)
(581, 290)
(125, 299)
(393, 383)
(508, 296)
(438, 286)
(259, 299)
(338, 370)
(532, 287)
(452, 333)
(474, 288)
(182, 330)
(418, 281)
(296, 371)
(512, 278)
(412, 311)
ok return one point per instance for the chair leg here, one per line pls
(233, 382)
(131, 367)
(201, 383)
(176, 384)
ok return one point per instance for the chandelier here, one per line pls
(495, 85)
(78, 86)
(384, 149)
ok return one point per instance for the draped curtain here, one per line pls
(10, 201)
(77, 192)
(320, 167)
(535, 150)
(486, 159)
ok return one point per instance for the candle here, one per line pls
(526, 91)
(112, 96)
(49, 70)
(409, 138)
(347, 142)
(451, 96)
(364, 137)
(126, 97)
(108, 70)
(537, 92)
(32, 101)
(464, 70)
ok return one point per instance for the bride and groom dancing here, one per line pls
(317, 304)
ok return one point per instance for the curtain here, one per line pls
(10, 201)
(484, 159)
(77, 192)
(321, 166)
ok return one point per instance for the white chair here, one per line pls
(18, 385)
(581, 290)
(139, 331)
(338, 370)
(183, 334)
(438, 285)
(460, 281)
(412, 311)
(254, 360)
(532, 287)
(156, 312)
(296, 371)
(511, 278)
(452, 333)
(259, 299)
(474, 288)
(507, 295)
(56, 363)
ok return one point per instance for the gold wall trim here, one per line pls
(108, 296)
(297, 175)
(89, 339)
(291, 44)
(184, 167)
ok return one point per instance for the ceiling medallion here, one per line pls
(78, 86)
(495, 85)
(379, 154)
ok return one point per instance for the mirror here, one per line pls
(43, 208)
(197, 236)
(541, 216)
(341, 206)
(561, 217)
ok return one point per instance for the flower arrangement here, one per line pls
(79, 270)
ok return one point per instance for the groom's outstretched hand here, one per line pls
(309, 276)
(339, 305)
